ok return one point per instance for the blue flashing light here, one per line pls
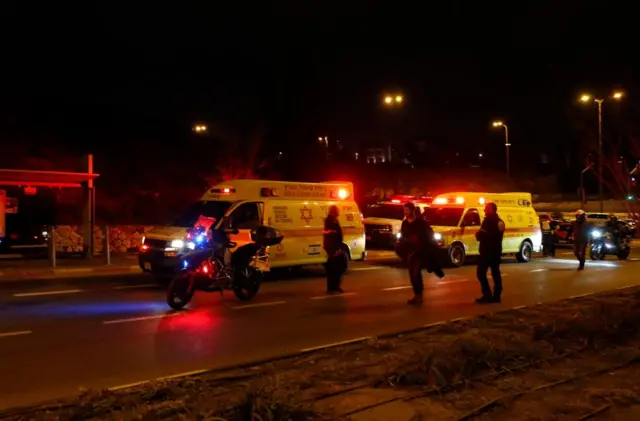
(200, 238)
(185, 264)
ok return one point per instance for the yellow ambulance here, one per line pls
(456, 218)
(296, 209)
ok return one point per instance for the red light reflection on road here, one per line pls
(193, 320)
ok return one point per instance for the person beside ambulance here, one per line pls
(490, 238)
(581, 235)
(332, 244)
(419, 246)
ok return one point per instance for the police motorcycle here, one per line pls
(210, 266)
(603, 242)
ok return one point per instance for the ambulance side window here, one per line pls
(246, 216)
(471, 218)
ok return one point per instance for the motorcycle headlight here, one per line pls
(177, 244)
(437, 236)
(596, 234)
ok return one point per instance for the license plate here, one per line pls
(147, 265)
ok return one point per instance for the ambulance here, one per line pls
(456, 218)
(382, 221)
(297, 210)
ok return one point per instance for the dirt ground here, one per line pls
(569, 360)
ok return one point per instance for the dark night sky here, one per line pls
(112, 73)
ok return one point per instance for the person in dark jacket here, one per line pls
(581, 233)
(332, 244)
(490, 238)
(418, 240)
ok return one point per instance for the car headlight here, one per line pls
(596, 234)
(398, 235)
(191, 245)
(177, 244)
(437, 236)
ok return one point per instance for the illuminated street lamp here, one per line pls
(586, 98)
(200, 128)
(391, 100)
(506, 140)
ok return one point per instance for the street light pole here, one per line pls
(506, 142)
(588, 98)
(600, 175)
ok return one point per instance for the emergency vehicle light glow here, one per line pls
(343, 194)
(440, 201)
(395, 201)
(225, 190)
(459, 200)
(482, 201)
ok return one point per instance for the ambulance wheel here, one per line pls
(456, 255)
(525, 253)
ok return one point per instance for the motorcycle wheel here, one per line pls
(624, 253)
(180, 291)
(247, 283)
(595, 252)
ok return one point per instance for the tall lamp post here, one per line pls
(586, 98)
(392, 101)
(506, 141)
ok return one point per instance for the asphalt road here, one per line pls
(58, 337)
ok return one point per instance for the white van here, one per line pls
(382, 221)
(297, 210)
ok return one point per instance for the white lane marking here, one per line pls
(517, 307)
(137, 286)
(581, 295)
(628, 286)
(334, 344)
(589, 263)
(368, 268)
(435, 324)
(185, 374)
(36, 294)
(635, 259)
(127, 386)
(273, 303)
(140, 319)
(20, 333)
(397, 288)
(455, 281)
(538, 270)
(322, 297)
(458, 319)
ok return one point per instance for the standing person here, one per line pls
(548, 237)
(490, 238)
(332, 244)
(417, 239)
(580, 237)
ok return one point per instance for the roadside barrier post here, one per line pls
(52, 246)
(106, 249)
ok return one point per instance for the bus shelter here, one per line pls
(31, 180)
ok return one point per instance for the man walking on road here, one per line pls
(490, 238)
(580, 237)
(418, 241)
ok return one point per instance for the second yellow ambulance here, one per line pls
(456, 218)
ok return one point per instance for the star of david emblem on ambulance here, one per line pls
(305, 214)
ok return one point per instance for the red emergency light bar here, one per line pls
(340, 194)
(224, 190)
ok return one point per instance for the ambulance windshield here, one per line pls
(385, 211)
(443, 217)
(213, 209)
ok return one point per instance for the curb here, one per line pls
(13, 275)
